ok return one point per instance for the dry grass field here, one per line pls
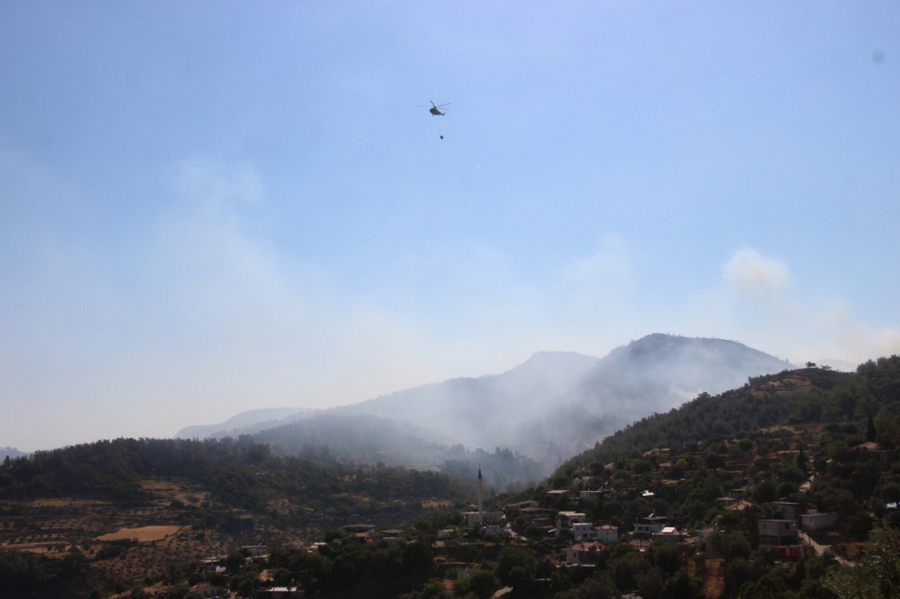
(56, 527)
(142, 534)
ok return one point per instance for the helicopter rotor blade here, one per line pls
(442, 105)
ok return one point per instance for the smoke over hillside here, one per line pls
(552, 406)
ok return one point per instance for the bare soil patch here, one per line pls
(174, 491)
(141, 534)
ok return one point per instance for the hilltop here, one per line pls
(557, 403)
(11, 452)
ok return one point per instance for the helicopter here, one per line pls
(435, 109)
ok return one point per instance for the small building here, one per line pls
(582, 531)
(583, 554)
(608, 534)
(646, 526)
(641, 545)
(446, 533)
(777, 532)
(789, 510)
(868, 446)
(873, 451)
(560, 494)
(817, 521)
(539, 515)
(739, 506)
(289, 592)
(214, 565)
(565, 520)
(255, 552)
(669, 534)
(367, 529)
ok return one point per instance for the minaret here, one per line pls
(480, 496)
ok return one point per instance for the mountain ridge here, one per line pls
(551, 406)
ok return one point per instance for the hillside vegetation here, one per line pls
(811, 439)
(237, 473)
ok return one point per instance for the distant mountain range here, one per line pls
(552, 406)
(11, 452)
(245, 423)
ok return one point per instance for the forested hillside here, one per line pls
(238, 473)
(791, 397)
(365, 440)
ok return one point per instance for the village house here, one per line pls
(669, 534)
(289, 592)
(565, 519)
(789, 510)
(641, 545)
(608, 534)
(494, 529)
(214, 564)
(582, 531)
(255, 552)
(583, 554)
(368, 529)
(560, 493)
(872, 451)
(539, 515)
(739, 506)
(777, 532)
(646, 526)
(817, 521)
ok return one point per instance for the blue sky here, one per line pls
(211, 207)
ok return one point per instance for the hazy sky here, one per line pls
(207, 207)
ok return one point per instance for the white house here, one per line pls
(608, 534)
(669, 534)
(582, 531)
(566, 519)
(777, 532)
(583, 553)
(646, 526)
(817, 521)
